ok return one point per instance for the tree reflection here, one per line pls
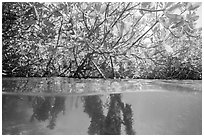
(93, 107)
(47, 108)
(127, 118)
(59, 106)
(110, 124)
(41, 108)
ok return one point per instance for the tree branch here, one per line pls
(98, 69)
(113, 73)
(54, 51)
(113, 24)
(84, 20)
(148, 10)
(142, 36)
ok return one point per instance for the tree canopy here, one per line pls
(101, 39)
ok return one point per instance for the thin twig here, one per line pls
(98, 69)
(148, 10)
(113, 73)
(54, 51)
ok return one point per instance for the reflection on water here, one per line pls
(104, 112)
(118, 113)
(46, 109)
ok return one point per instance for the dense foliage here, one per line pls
(81, 40)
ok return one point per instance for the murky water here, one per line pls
(69, 106)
